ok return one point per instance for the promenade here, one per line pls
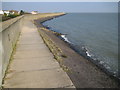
(33, 65)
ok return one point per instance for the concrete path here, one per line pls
(33, 65)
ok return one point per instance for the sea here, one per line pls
(92, 35)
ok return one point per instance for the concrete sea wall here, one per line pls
(9, 34)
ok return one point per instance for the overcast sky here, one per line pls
(62, 6)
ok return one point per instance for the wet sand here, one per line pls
(82, 72)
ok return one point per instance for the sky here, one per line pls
(60, 0)
(94, 7)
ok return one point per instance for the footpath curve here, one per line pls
(33, 65)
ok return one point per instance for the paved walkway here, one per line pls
(33, 65)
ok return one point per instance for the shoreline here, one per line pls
(83, 72)
(84, 54)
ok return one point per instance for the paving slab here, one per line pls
(31, 64)
(31, 42)
(54, 78)
(30, 47)
(33, 53)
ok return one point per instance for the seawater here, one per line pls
(93, 35)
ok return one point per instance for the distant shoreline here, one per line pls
(77, 63)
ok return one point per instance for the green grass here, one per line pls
(4, 18)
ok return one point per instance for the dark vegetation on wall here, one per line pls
(10, 16)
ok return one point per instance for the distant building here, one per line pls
(9, 12)
(6, 11)
(34, 12)
(14, 12)
(1, 12)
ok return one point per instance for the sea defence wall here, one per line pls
(9, 34)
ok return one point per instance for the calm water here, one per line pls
(92, 34)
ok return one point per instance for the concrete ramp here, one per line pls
(33, 65)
